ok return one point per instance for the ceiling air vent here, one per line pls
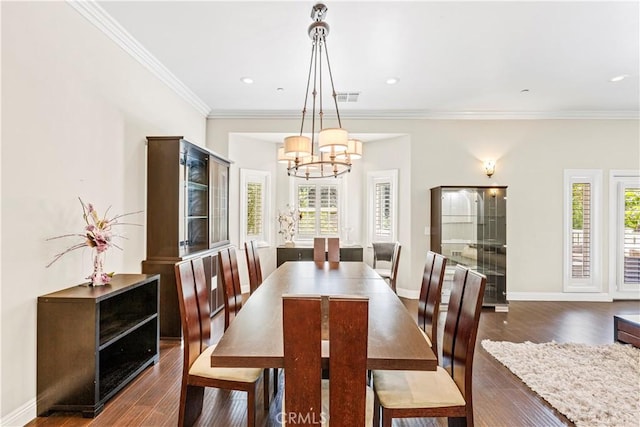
(347, 96)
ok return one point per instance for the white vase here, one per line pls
(289, 244)
(99, 277)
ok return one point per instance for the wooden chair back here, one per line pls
(467, 331)
(463, 316)
(430, 294)
(333, 249)
(319, 249)
(204, 309)
(453, 310)
(189, 313)
(302, 329)
(424, 290)
(232, 294)
(395, 262)
(253, 265)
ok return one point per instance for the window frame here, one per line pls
(250, 176)
(594, 282)
(374, 177)
(341, 205)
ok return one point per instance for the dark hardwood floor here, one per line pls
(500, 399)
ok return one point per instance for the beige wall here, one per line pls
(531, 156)
(75, 112)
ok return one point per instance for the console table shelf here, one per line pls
(92, 341)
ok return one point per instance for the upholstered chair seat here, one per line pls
(417, 389)
(202, 368)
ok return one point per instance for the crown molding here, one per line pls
(95, 14)
(433, 115)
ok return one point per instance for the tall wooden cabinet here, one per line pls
(469, 226)
(187, 216)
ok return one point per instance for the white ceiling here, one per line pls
(451, 58)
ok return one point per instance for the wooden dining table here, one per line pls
(254, 338)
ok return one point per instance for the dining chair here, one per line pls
(253, 265)
(319, 249)
(197, 372)
(444, 392)
(333, 249)
(430, 294)
(344, 397)
(389, 253)
(232, 295)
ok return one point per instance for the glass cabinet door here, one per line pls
(194, 200)
(473, 233)
(219, 229)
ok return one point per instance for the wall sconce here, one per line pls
(489, 167)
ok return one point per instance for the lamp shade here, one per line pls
(333, 139)
(283, 158)
(297, 146)
(354, 150)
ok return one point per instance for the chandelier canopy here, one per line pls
(329, 151)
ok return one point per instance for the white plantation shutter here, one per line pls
(255, 210)
(328, 210)
(383, 206)
(254, 201)
(307, 206)
(582, 230)
(382, 214)
(318, 205)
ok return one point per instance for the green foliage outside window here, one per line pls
(254, 209)
(578, 199)
(632, 208)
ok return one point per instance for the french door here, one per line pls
(624, 231)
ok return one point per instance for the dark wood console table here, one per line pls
(305, 253)
(92, 341)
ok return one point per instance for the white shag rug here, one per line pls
(591, 385)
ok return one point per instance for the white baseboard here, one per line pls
(21, 416)
(559, 296)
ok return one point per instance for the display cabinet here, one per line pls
(187, 216)
(468, 226)
(92, 341)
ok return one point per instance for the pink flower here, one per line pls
(97, 231)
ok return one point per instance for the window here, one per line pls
(254, 188)
(582, 230)
(383, 200)
(624, 234)
(319, 207)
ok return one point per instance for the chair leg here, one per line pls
(251, 405)
(386, 418)
(266, 383)
(376, 410)
(275, 382)
(190, 405)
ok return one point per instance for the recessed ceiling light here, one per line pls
(247, 80)
(392, 80)
(524, 91)
(618, 78)
(280, 89)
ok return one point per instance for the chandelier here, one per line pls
(329, 152)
